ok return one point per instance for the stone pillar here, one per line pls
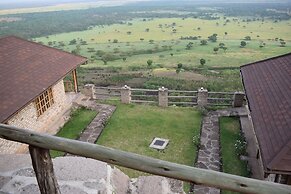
(163, 97)
(238, 99)
(125, 94)
(89, 90)
(202, 97)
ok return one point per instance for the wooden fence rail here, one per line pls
(182, 97)
(138, 162)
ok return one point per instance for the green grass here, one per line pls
(79, 120)
(133, 127)
(221, 80)
(230, 132)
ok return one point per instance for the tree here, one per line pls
(221, 45)
(202, 61)
(74, 41)
(283, 43)
(189, 45)
(247, 38)
(171, 54)
(262, 44)
(141, 39)
(147, 29)
(124, 58)
(128, 33)
(203, 42)
(224, 49)
(215, 49)
(149, 62)
(212, 38)
(180, 65)
(115, 41)
(243, 44)
(151, 41)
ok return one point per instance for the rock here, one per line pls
(119, 181)
(156, 185)
(83, 175)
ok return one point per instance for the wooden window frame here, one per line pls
(44, 101)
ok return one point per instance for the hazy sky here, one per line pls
(4, 4)
(61, 1)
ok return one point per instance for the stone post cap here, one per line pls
(125, 87)
(162, 89)
(239, 92)
(202, 89)
(89, 85)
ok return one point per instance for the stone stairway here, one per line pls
(78, 175)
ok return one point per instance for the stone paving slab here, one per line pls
(94, 129)
(209, 152)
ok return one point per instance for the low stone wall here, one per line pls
(27, 118)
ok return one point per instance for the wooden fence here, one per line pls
(40, 144)
(174, 97)
(182, 98)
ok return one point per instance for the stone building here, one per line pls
(32, 93)
(267, 85)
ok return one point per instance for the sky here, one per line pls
(36, 3)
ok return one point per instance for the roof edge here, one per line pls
(263, 60)
(285, 148)
(23, 39)
(20, 109)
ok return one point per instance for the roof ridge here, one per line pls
(267, 59)
(13, 36)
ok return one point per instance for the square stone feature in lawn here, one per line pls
(159, 143)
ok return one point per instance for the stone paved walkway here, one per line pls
(94, 129)
(209, 152)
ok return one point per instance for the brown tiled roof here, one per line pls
(267, 85)
(27, 69)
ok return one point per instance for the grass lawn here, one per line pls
(133, 127)
(230, 132)
(79, 120)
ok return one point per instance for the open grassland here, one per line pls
(127, 47)
(133, 127)
(58, 7)
(236, 30)
(161, 32)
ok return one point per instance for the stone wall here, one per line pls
(27, 118)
